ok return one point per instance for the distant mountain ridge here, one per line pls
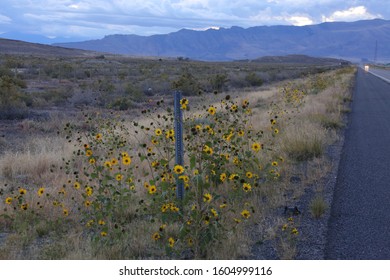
(348, 40)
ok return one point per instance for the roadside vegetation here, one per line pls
(93, 176)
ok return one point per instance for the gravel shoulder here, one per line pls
(312, 239)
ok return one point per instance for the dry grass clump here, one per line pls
(304, 142)
(34, 162)
(318, 207)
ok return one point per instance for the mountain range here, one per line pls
(366, 39)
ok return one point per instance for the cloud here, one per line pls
(351, 14)
(300, 20)
(96, 18)
(4, 19)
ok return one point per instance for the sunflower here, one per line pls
(101, 222)
(126, 160)
(99, 136)
(24, 206)
(76, 185)
(152, 189)
(249, 174)
(208, 150)
(22, 191)
(184, 101)
(88, 191)
(212, 110)
(8, 200)
(274, 163)
(178, 169)
(87, 203)
(114, 161)
(256, 147)
(158, 132)
(90, 223)
(92, 161)
(246, 187)
(41, 191)
(65, 212)
(156, 236)
(162, 227)
(124, 154)
(103, 234)
(170, 133)
(207, 197)
(171, 242)
(88, 153)
(185, 178)
(222, 177)
(294, 231)
(164, 208)
(245, 213)
(118, 177)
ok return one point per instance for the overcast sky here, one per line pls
(86, 19)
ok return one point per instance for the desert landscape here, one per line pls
(87, 155)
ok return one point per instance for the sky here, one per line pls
(75, 20)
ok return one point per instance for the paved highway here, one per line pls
(382, 73)
(359, 226)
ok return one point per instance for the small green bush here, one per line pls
(318, 207)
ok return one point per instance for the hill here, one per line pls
(348, 40)
(16, 47)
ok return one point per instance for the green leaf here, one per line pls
(192, 162)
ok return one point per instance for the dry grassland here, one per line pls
(297, 149)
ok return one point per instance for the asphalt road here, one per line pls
(384, 74)
(359, 226)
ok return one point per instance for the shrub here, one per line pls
(12, 103)
(253, 79)
(218, 82)
(187, 84)
(318, 207)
